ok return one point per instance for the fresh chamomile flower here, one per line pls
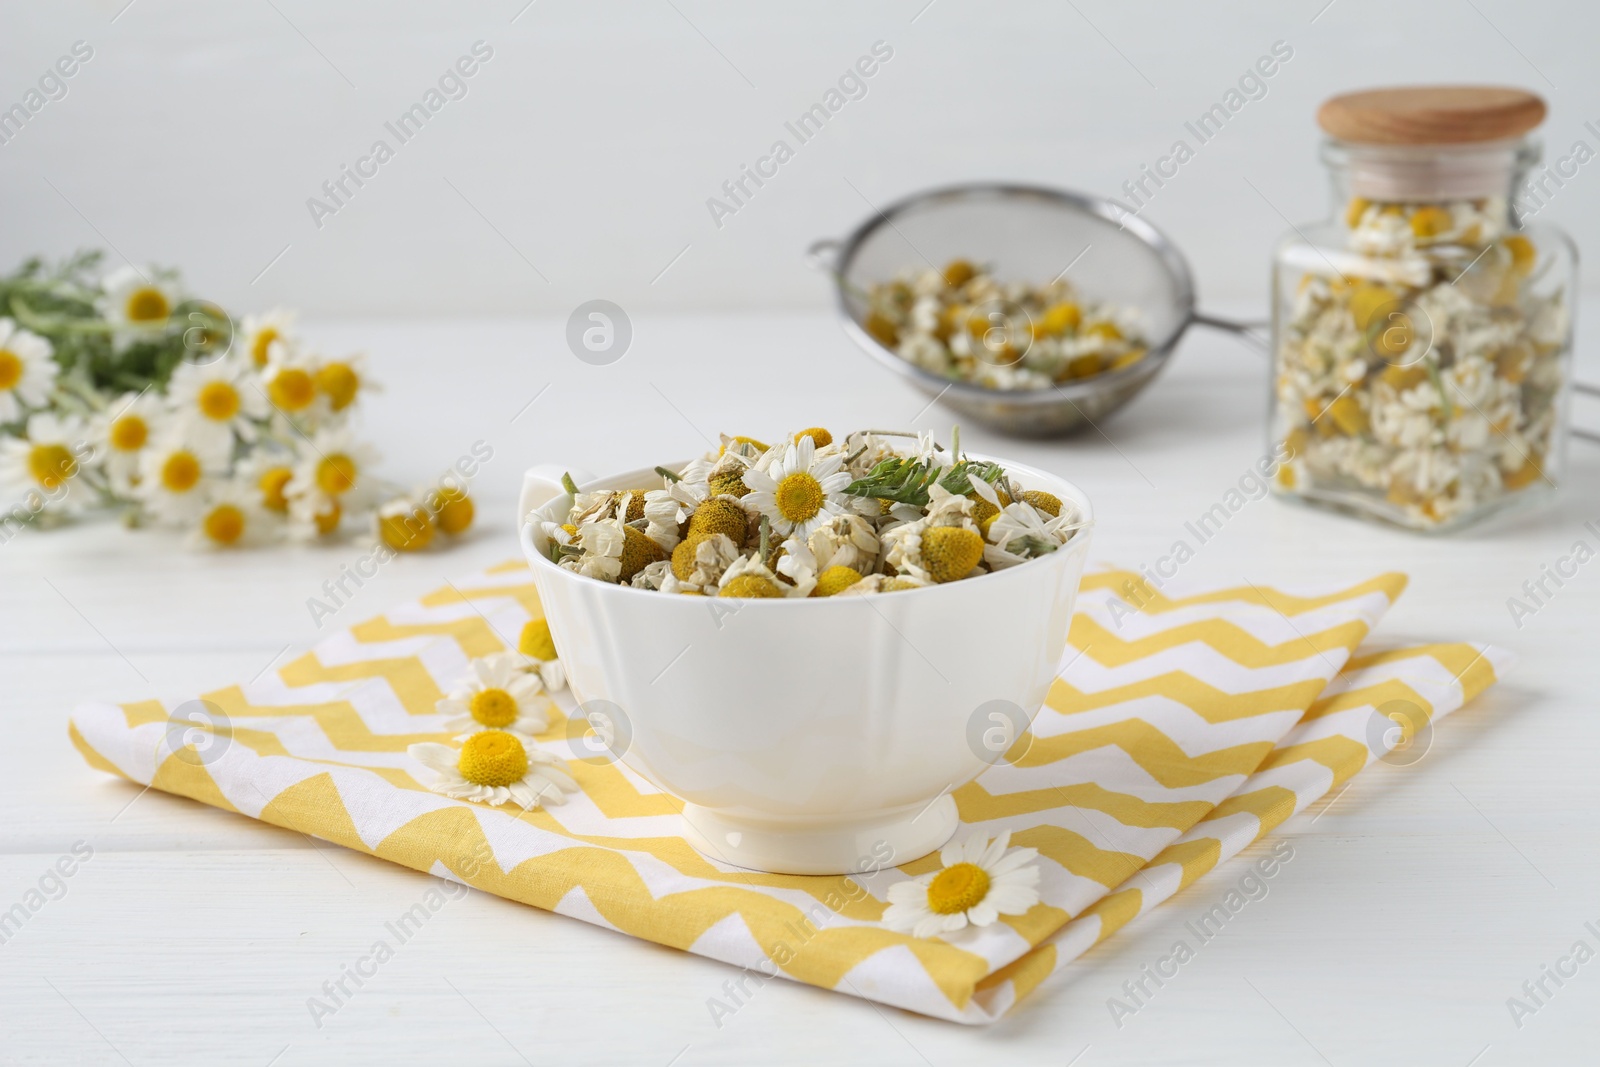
(121, 432)
(217, 400)
(45, 466)
(27, 371)
(258, 333)
(492, 767)
(979, 882)
(404, 524)
(333, 469)
(268, 473)
(497, 695)
(175, 473)
(290, 379)
(229, 518)
(538, 651)
(797, 487)
(340, 382)
(137, 302)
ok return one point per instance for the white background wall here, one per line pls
(586, 148)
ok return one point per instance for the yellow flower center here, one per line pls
(493, 758)
(328, 521)
(271, 484)
(536, 641)
(180, 472)
(263, 341)
(147, 304)
(958, 888)
(10, 369)
(292, 389)
(336, 473)
(339, 383)
(218, 401)
(454, 511)
(799, 497)
(51, 465)
(408, 531)
(751, 585)
(821, 437)
(494, 707)
(129, 433)
(950, 552)
(225, 524)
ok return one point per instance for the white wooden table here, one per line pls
(1416, 904)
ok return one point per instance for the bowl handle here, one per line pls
(542, 484)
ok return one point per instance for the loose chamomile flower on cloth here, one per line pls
(404, 524)
(230, 518)
(538, 651)
(798, 488)
(121, 432)
(216, 401)
(27, 371)
(492, 767)
(980, 881)
(497, 695)
(175, 474)
(258, 333)
(44, 468)
(137, 302)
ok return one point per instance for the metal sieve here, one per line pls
(1032, 234)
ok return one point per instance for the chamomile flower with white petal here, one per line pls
(497, 695)
(217, 400)
(27, 371)
(538, 651)
(797, 488)
(228, 519)
(175, 475)
(492, 767)
(290, 381)
(121, 432)
(258, 333)
(137, 302)
(340, 381)
(979, 882)
(44, 468)
(333, 468)
(268, 473)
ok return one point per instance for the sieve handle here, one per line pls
(823, 255)
(1251, 333)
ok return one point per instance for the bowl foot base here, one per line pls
(839, 846)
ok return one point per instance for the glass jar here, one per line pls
(1422, 336)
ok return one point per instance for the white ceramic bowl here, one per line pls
(815, 736)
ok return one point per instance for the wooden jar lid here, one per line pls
(1431, 114)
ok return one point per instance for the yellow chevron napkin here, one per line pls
(1179, 731)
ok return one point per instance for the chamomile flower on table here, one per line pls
(258, 333)
(27, 371)
(121, 432)
(229, 518)
(492, 767)
(137, 303)
(45, 467)
(290, 381)
(497, 695)
(175, 475)
(340, 381)
(268, 473)
(334, 468)
(797, 488)
(979, 881)
(217, 400)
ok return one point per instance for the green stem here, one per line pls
(669, 475)
(766, 535)
(568, 484)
